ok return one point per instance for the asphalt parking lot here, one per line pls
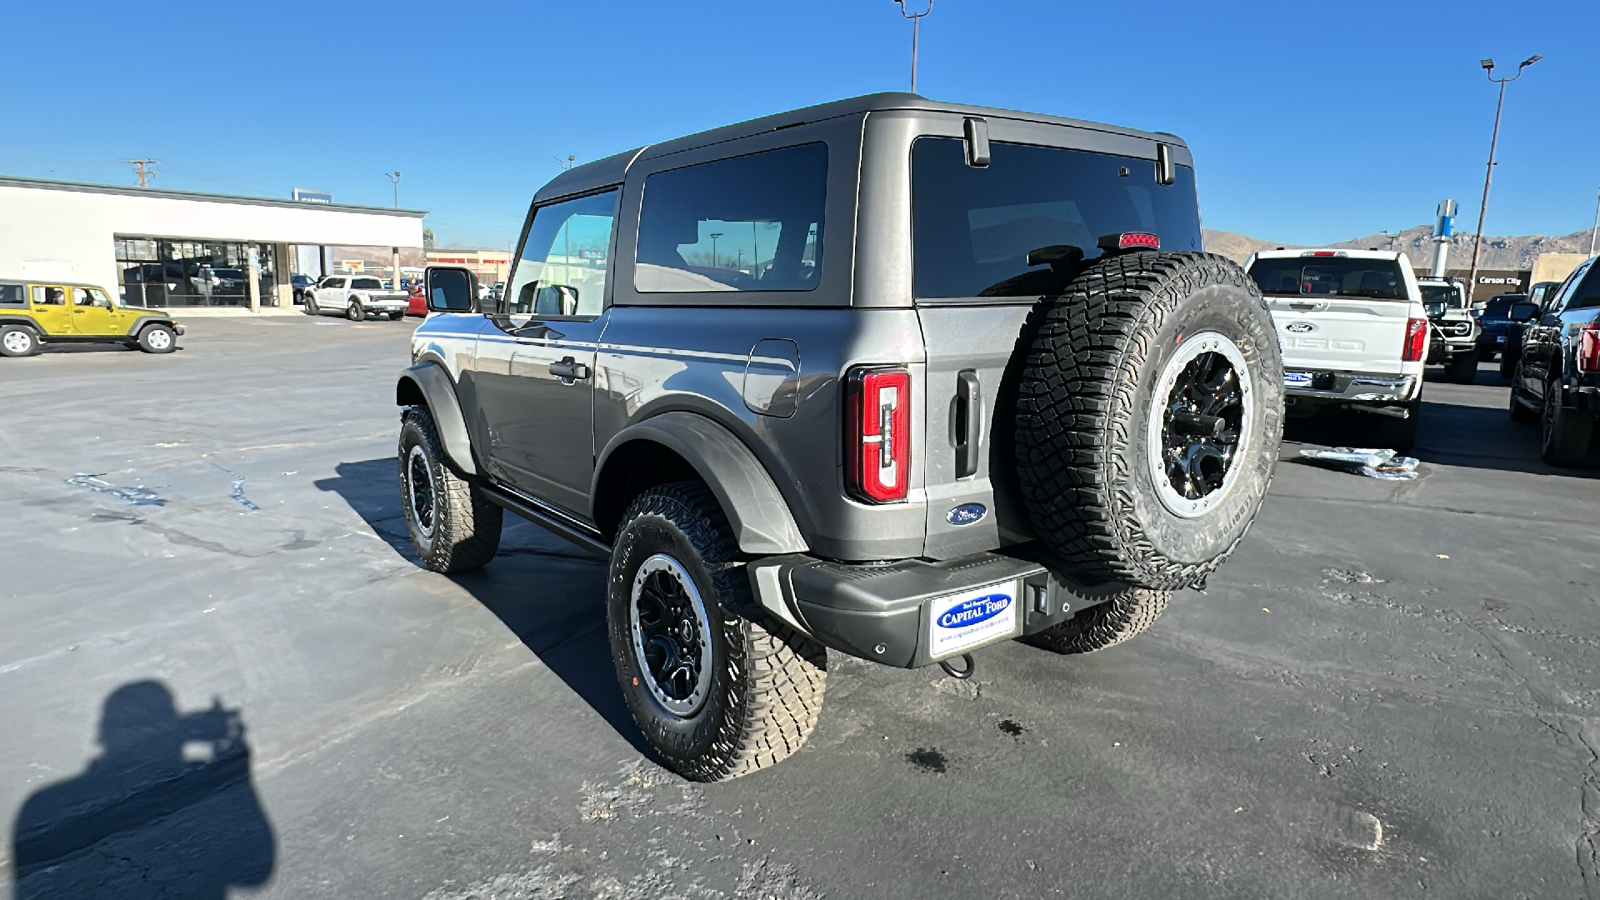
(220, 667)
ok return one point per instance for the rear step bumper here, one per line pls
(910, 613)
(1356, 387)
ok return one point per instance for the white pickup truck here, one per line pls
(1354, 335)
(355, 297)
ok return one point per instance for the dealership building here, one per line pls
(179, 249)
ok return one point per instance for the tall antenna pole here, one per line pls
(144, 168)
(1596, 229)
(916, 20)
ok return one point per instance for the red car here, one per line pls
(419, 303)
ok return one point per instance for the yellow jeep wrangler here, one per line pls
(48, 313)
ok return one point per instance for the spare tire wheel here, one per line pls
(1148, 417)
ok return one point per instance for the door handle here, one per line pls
(966, 423)
(569, 370)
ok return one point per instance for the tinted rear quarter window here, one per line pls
(973, 228)
(749, 223)
(1330, 276)
(370, 284)
(13, 295)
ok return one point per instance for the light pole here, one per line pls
(1596, 227)
(916, 20)
(394, 178)
(714, 236)
(1494, 139)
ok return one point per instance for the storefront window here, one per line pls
(192, 272)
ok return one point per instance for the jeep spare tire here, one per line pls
(1148, 418)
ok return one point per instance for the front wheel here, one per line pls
(354, 312)
(310, 308)
(1463, 367)
(452, 524)
(18, 340)
(158, 339)
(717, 695)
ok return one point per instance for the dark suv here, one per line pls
(1557, 378)
(888, 376)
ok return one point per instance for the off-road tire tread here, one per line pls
(466, 524)
(354, 311)
(1104, 625)
(1067, 400)
(776, 675)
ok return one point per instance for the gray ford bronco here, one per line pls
(887, 376)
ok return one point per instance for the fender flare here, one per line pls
(429, 380)
(24, 321)
(139, 324)
(760, 517)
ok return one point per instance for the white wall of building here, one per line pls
(66, 232)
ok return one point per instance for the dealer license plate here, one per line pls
(962, 621)
(1297, 379)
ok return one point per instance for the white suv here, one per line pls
(1354, 334)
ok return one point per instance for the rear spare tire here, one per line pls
(1149, 413)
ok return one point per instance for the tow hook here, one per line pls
(961, 674)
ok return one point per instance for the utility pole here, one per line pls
(1596, 227)
(145, 168)
(394, 178)
(714, 236)
(1488, 175)
(916, 20)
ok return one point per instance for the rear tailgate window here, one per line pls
(973, 228)
(1330, 276)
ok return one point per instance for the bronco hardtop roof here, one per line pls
(613, 169)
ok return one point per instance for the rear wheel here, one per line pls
(715, 694)
(355, 312)
(1148, 419)
(452, 524)
(1567, 432)
(158, 338)
(1128, 613)
(397, 315)
(18, 340)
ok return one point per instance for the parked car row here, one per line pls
(1556, 377)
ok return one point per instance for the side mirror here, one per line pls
(450, 289)
(1523, 312)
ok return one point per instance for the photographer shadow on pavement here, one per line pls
(546, 591)
(166, 810)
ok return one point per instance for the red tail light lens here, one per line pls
(877, 449)
(1589, 348)
(1416, 340)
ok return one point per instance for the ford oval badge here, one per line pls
(966, 514)
(971, 612)
(1300, 328)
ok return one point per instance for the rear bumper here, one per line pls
(1353, 387)
(910, 613)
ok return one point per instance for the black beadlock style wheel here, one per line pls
(1149, 413)
(453, 526)
(717, 695)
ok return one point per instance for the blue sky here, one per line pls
(1309, 122)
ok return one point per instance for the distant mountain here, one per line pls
(1417, 243)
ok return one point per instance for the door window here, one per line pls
(750, 223)
(562, 272)
(1563, 297)
(90, 297)
(49, 296)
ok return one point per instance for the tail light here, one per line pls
(1416, 340)
(1589, 348)
(877, 434)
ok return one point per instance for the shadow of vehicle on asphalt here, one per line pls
(166, 810)
(546, 591)
(1448, 434)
